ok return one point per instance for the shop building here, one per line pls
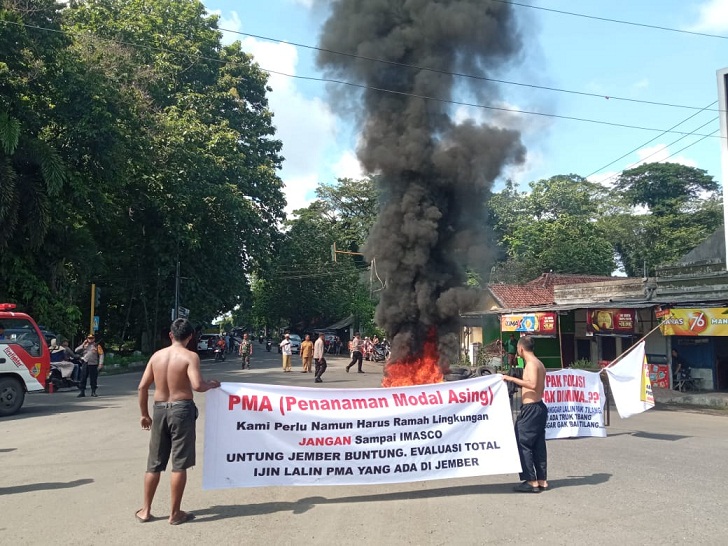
(695, 319)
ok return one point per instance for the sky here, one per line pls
(574, 54)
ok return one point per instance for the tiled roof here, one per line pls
(539, 291)
(549, 280)
(517, 295)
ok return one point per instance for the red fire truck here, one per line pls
(24, 358)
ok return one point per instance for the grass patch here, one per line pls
(114, 364)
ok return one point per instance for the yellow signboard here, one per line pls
(695, 322)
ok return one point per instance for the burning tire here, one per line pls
(12, 395)
(458, 374)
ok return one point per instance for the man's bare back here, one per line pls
(175, 372)
(172, 370)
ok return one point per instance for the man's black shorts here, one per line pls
(173, 433)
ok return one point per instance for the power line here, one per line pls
(641, 161)
(691, 144)
(461, 74)
(379, 89)
(655, 138)
(483, 106)
(317, 275)
(609, 20)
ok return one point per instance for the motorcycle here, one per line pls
(65, 374)
(268, 345)
(219, 354)
(380, 353)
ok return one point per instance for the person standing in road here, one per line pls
(93, 357)
(245, 351)
(531, 423)
(511, 349)
(356, 355)
(286, 352)
(307, 354)
(175, 373)
(318, 357)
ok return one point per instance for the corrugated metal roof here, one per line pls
(570, 307)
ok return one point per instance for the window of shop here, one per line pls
(609, 348)
(583, 349)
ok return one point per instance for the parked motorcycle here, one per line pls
(380, 353)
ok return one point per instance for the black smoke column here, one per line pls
(434, 174)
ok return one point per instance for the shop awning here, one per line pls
(343, 323)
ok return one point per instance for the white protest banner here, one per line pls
(260, 435)
(629, 380)
(575, 400)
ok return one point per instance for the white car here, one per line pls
(206, 343)
(295, 344)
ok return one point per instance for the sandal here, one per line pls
(184, 517)
(140, 519)
(525, 487)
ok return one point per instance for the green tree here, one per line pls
(661, 211)
(207, 194)
(554, 227)
(139, 141)
(664, 188)
(304, 288)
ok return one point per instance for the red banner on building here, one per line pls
(610, 321)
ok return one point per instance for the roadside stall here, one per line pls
(543, 327)
(699, 337)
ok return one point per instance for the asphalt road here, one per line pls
(71, 472)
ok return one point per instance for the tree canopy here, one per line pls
(554, 227)
(654, 215)
(140, 141)
(664, 188)
(305, 286)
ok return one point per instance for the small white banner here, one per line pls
(261, 435)
(575, 400)
(629, 380)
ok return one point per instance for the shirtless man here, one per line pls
(175, 372)
(531, 423)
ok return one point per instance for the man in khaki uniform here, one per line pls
(307, 354)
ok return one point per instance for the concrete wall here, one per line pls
(713, 248)
(628, 288)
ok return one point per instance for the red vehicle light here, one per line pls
(7, 306)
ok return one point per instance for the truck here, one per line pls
(24, 359)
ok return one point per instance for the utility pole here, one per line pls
(723, 115)
(176, 292)
(93, 308)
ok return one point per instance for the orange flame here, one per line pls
(415, 370)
